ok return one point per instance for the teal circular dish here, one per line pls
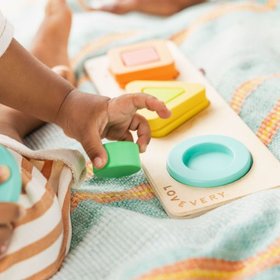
(11, 189)
(209, 161)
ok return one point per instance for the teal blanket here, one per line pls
(120, 230)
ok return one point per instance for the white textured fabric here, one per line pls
(6, 34)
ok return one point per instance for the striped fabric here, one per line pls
(42, 236)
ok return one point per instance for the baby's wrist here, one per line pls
(63, 111)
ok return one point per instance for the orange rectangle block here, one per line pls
(150, 60)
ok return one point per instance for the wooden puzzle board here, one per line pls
(184, 201)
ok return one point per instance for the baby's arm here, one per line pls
(25, 83)
(29, 86)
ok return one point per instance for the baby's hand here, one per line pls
(89, 118)
(157, 7)
(9, 213)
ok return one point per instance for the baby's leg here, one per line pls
(50, 47)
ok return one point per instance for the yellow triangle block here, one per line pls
(165, 94)
(183, 99)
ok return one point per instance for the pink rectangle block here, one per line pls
(140, 57)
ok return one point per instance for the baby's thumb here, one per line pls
(95, 150)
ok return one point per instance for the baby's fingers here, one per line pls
(9, 212)
(141, 100)
(5, 237)
(94, 148)
(141, 125)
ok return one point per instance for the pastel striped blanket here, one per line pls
(120, 230)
